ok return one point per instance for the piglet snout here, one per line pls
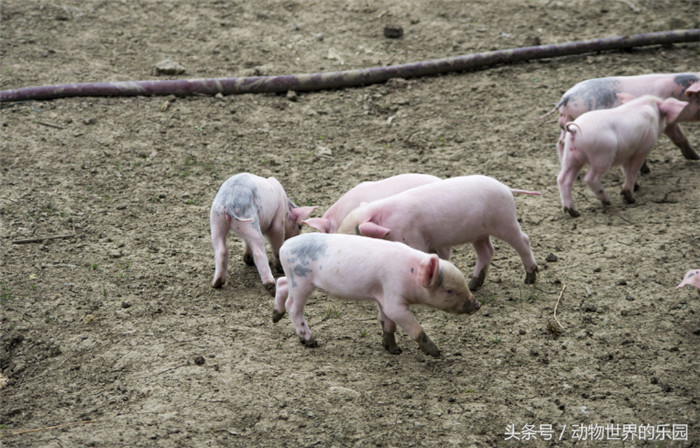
(471, 307)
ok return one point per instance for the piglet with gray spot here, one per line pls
(439, 215)
(622, 136)
(601, 93)
(353, 267)
(366, 192)
(691, 278)
(253, 207)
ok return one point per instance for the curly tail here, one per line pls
(569, 128)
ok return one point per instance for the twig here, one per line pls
(47, 428)
(557, 304)
(40, 239)
(51, 125)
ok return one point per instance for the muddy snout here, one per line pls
(470, 307)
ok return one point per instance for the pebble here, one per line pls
(393, 31)
(551, 258)
(622, 282)
(169, 67)
(199, 360)
(292, 95)
(126, 304)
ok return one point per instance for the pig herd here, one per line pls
(389, 241)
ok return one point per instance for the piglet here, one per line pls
(439, 215)
(366, 192)
(252, 206)
(357, 268)
(610, 137)
(601, 93)
(691, 278)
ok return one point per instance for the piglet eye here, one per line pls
(449, 291)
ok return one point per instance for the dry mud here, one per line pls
(115, 331)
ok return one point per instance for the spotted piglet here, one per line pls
(253, 207)
(601, 93)
(622, 136)
(353, 267)
(691, 278)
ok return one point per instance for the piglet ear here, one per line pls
(671, 108)
(429, 271)
(372, 230)
(625, 97)
(301, 213)
(694, 89)
(320, 224)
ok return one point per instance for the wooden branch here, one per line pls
(48, 428)
(348, 78)
(40, 239)
(557, 304)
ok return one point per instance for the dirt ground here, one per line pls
(113, 330)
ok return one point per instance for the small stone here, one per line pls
(522, 332)
(597, 270)
(318, 36)
(293, 27)
(169, 67)
(393, 31)
(89, 121)
(126, 304)
(590, 309)
(630, 298)
(551, 258)
(284, 415)
(622, 282)
(666, 387)
(199, 360)
(292, 95)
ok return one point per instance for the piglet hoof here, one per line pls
(278, 268)
(628, 196)
(277, 316)
(644, 168)
(572, 211)
(427, 346)
(270, 288)
(311, 343)
(636, 186)
(531, 277)
(476, 282)
(248, 259)
(689, 153)
(389, 343)
(218, 283)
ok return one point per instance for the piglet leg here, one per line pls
(281, 295)
(406, 320)
(388, 334)
(675, 133)
(592, 179)
(484, 253)
(219, 229)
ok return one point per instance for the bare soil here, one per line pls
(114, 330)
